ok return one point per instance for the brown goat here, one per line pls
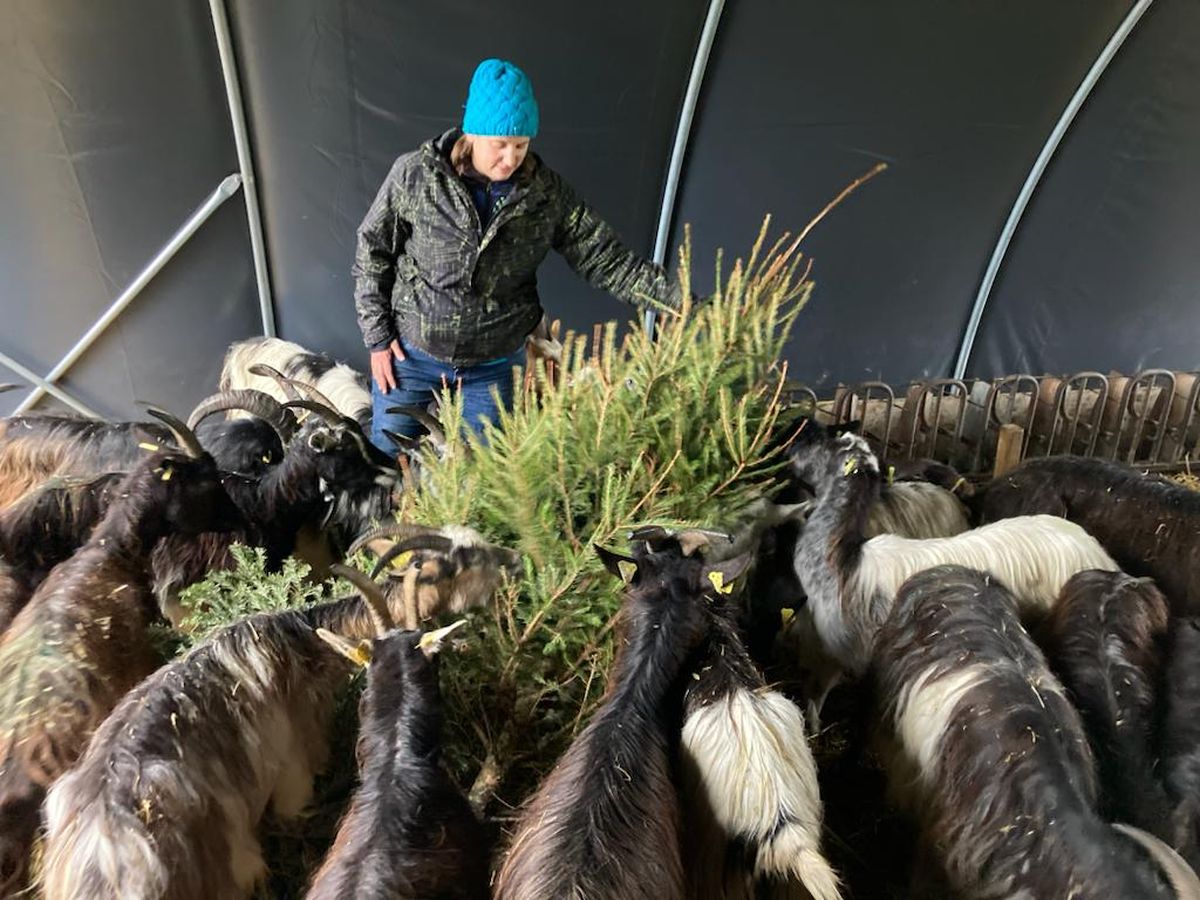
(168, 796)
(81, 643)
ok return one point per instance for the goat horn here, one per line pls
(398, 530)
(432, 425)
(435, 542)
(8, 387)
(1180, 875)
(330, 417)
(376, 603)
(313, 394)
(264, 406)
(285, 385)
(183, 434)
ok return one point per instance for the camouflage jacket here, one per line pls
(427, 273)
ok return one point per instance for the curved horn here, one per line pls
(264, 371)
(399, 530)
(435, 542)
(187, 440)
(371, 594)
(432, 425)
(257, 403)
(313, 394)
(8, 387)
(1178, 872)
(330, 417)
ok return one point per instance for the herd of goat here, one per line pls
(1030, 647)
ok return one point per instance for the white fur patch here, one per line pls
(758, 776)
(1033, 556)
(924, 711)
(340, 384)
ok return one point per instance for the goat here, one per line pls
(605, 823)
(35, 448)
(1149, 525)
(80, 644)
(408, 831)
(44, 528)
(456, 565)
(166, 800)
(1103, 639)
(851, 581)
(347, 389)
(750, 782)
(992, 756)
(1179, 749)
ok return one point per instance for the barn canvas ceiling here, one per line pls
(115, 128)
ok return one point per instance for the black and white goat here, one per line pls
(851, 581)
(167, 799)
(1148, 524)
(1179, 749)
(605, 823)
(347, 389)
(1104, 639)
(751, 800)
(992, 756)
(408, 831)
(81, 642)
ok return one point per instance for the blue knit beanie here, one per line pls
(500, 102)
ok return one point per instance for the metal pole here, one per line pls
(1035, 175)
(683, 132)
(241, 139)
(226, 189)
(45, 386)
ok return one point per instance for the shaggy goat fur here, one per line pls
(44, 528)
(851, 581)
(992, 752)
(36, 448)
(347, 389)
(80, 644)
(1149, 525)
(167, 799)
(1104, 640)
(408, 832)
(1179, 750)
(752, 803)
(605, 823)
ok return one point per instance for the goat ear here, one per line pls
(431, 641)
(854, 426)
(616, 563)
(359, 654)
(723, 575)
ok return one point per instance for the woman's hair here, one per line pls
(460, 155)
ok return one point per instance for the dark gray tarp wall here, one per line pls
(114, 127)
(1105, 271)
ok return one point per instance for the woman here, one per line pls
(445, 276)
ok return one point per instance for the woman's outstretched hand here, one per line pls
(381, 366)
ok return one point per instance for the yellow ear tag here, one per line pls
(402, 561)
(361, 655)
(891, 475)
(167, 472)
(149, 448)
(266, 457)
(718, 582)
(627, 570)
(961, 481)
(786, 615)
(850, 467)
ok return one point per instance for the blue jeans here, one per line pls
(419, 379)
